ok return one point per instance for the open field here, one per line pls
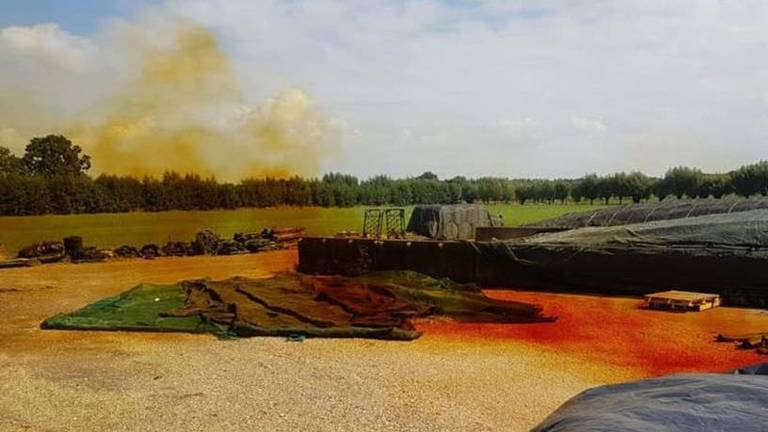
(514, 214)
(458, 376)
(112, 230)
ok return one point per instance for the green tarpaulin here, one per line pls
(379, 305)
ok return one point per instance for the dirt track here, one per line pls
(456, 377)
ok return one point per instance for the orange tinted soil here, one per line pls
(608, 330)
(619, 332)
(458, 376)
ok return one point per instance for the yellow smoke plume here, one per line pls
(184, 112)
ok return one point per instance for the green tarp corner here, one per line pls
(137, 309)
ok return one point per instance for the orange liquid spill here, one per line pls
(619, 332)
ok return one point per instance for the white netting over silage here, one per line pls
(664, 210)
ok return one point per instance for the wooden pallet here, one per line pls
(682, 300)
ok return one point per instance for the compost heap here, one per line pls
(688, 402)
(664, 210)
(450, 222)
(380, 305)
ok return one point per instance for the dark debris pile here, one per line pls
(206, 242)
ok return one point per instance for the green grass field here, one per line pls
(519, 215)
(112, 230)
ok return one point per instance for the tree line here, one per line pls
(51, 177)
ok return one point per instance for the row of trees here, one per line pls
(678, 182)
(62, 194)
(51, 177)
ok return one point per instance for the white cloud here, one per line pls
(516, 126)
(47, 42)
(587, 124)
(45, 73)
(432, 67)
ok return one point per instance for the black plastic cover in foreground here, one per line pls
(690, 402)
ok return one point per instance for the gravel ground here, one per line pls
(59, 380)
(185, 383)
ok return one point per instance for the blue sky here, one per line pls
(487, 87)
(83, 17)
(80, 17)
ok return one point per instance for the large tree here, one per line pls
(751, 179)
(639, 186)
(9, 163)
(561, 190)
(588, 187)
(680, 181)
(715, 185)
(55, 155)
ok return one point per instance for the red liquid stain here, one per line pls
(619, 332)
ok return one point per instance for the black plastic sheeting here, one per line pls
(664, 210)
(450, 222)
(723, 253)
(688, 402)
(744, 229)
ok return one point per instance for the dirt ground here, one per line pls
(458, 376)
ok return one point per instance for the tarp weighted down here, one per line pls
(722, 253)
(746, 229)
(379, 305)
(664, 210)
(690, 402)
(450, 222)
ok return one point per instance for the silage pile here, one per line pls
(451, 222)
(650, 212)
(379, 305)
